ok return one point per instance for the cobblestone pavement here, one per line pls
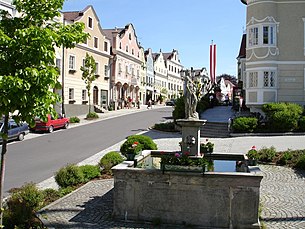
(282, 198)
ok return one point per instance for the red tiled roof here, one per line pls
(71, 16)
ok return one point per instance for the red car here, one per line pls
(51, 124)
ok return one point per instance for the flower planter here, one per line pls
(130, 156)
(252, 162)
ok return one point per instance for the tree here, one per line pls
(28, 74)
(88, 74)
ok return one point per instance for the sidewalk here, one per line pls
(282, 188)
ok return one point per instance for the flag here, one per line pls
(212, 62)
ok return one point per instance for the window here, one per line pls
(84, 62)
(90, 24)
(130, 36)
(253, 79)
(71, 93)
(96, 68)
(269, 79)
(120, 46)
(106, 70)
(120, 67)
(126, 48)
(84, 95)
(58, 64)
(105, 46)
(95, 42)
(132, 51)
(253, 36)
(268, 35)
(86, 41)
(71, 62)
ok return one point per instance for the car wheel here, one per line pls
(66, 125)
(51, 129)
(21, 136)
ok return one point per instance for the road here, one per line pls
(38, 158)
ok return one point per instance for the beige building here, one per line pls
(161, 79)
(75, 97)
(275, 56)
(175, 83)
(126, 67)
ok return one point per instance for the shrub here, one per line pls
(179, 110)
(69, 176)
(74, 119)
(300, 164)
(301, 124)
(21, 206)
(283, 116)
(109, 160)
(144, 143)
(285, 157)
(244, 124)
(253, 154)
(50, 195)
(165, 126)
(267, 154)
(90, 172)
(92, 115)
(65, 191)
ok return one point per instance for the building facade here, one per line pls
(7, 5)
(74, 93)
(175, 83)
(161, 79)
(275, 56)
(127, 63)
(149, 81)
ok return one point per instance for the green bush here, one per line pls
(50, 195)
(69, 176)
(300, 164)
(109, 160)
(92, 115)
(179, 110)
(144, 143)
(74, 119)
(21, 207)
(65, 191)
(285, 157)
(244, 124)
(301, 124)
(253, 154)
(165, 126)
(90, 172)
(267, 154)
(282, 116)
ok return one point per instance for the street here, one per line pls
(38, 158)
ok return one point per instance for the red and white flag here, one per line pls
(212, 62)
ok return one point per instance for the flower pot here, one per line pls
(130, 156)
(252, 162)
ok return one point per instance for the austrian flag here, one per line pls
(212, 62)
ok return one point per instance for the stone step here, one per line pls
(214, 130)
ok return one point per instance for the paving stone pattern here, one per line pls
(282, 196)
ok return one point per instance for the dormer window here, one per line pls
(90, 23)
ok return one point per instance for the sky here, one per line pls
(188, 26)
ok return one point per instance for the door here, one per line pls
(95, 95)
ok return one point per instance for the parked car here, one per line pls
(170, 102)
(15, 130)
(51, 124)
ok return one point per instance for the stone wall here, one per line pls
(219, 200)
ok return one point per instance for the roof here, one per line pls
(244, 1)
(242, 50)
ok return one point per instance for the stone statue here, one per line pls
(190, 99)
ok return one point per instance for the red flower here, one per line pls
(177, 155)
(187, 153)
(253, 147)
(136, 143)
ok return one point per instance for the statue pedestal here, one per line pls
(191, 135)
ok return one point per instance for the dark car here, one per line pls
(170, 103)
(15, 130)
(51, 124)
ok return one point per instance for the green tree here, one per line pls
(88, 74)
(28, 75)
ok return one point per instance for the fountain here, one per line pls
(211, 198)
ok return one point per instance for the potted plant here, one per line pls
(132, 151)
(253, 156)
(206, 147)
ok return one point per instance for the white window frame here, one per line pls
(72, 62)
(90, 19)
(253, 79)
(97, 68)
(253, 36)
(95, 42)
(106, 70)
(71, 93)
(84, 95)
(269, 79)
(271, 36)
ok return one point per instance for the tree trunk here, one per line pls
(3, 156)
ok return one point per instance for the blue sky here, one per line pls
(186, 25)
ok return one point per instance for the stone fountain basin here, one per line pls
(210, 199)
